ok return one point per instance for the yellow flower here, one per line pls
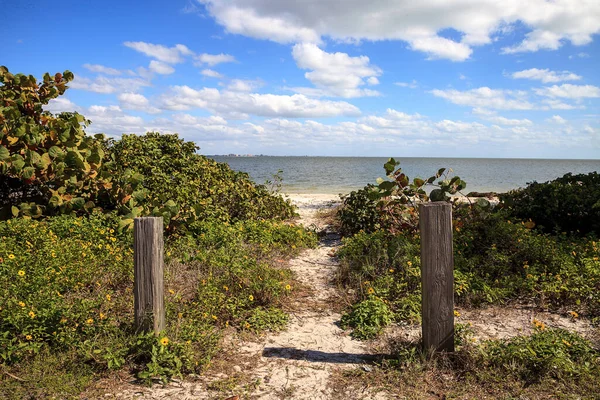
(409, 264)
(456, 313)
(28, 337)
(391, 270)
(371, 290)
(108, 297)
(112, 231)
(251, 298)
(164, 341)
(214, 317)
(539, 324)
(247, 325)
(11, 256)
(288, 287)
(31, 314)
(573, 314)
(63, 320)
(226, 288)
(171, 291)
(21, 273)
(89, 321)
(567, 343)
(102, 316)
(22, 304)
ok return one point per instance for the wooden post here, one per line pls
(148, 292)
(437, 279)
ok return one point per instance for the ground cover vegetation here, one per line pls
(67, 203)
(538, 247)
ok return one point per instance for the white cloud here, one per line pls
(557, 119)
(211, 73)
(171, 55)
(241, 85)
(484, 97)
(102, 84)
(241, 104)
(160, 68)
(337, 74)
(136, 101)
(373, 81)
(412, 85)
(569, 91)
(545, 75)
(101, 69)
(507, 121)
(61, 104)
(113, 121)
(213, 59)
(552, 23)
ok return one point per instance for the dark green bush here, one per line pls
(169, 170)
(359, 212)
(567, 204)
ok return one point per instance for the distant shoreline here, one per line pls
(400, 158)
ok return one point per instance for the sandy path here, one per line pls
(298, 362)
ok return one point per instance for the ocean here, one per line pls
(341, 175)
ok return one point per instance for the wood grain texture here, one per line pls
(437, 278)
(148, 293)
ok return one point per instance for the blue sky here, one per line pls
(463, 78)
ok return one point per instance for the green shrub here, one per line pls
(554, 353)
(368, 318)
(387, 266)
(172, 181)
(359, 212)
(567, 204)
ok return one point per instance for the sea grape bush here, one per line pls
(47, 163)
(570, 203)
(392, 204)
(49, 166)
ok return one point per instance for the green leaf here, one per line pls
(437, 195)
(4, 153)
(15, 211)
(55, 152)
(418, 182)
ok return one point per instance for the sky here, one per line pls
(429, 78)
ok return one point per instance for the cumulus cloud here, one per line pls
(508, 121)
(557, 119)
(160, 68)
(420, 24)
(336, 74)
(170, 55)
(136, 101)
(241, 104)
(484, 97)
(211, 73)
(569, 91)
(244, 85)
(545, 75)
(101, 69)
(102, 84)
(213, 59)
(61, 104)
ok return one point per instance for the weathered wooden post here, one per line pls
(437, 279)
(148, 296)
